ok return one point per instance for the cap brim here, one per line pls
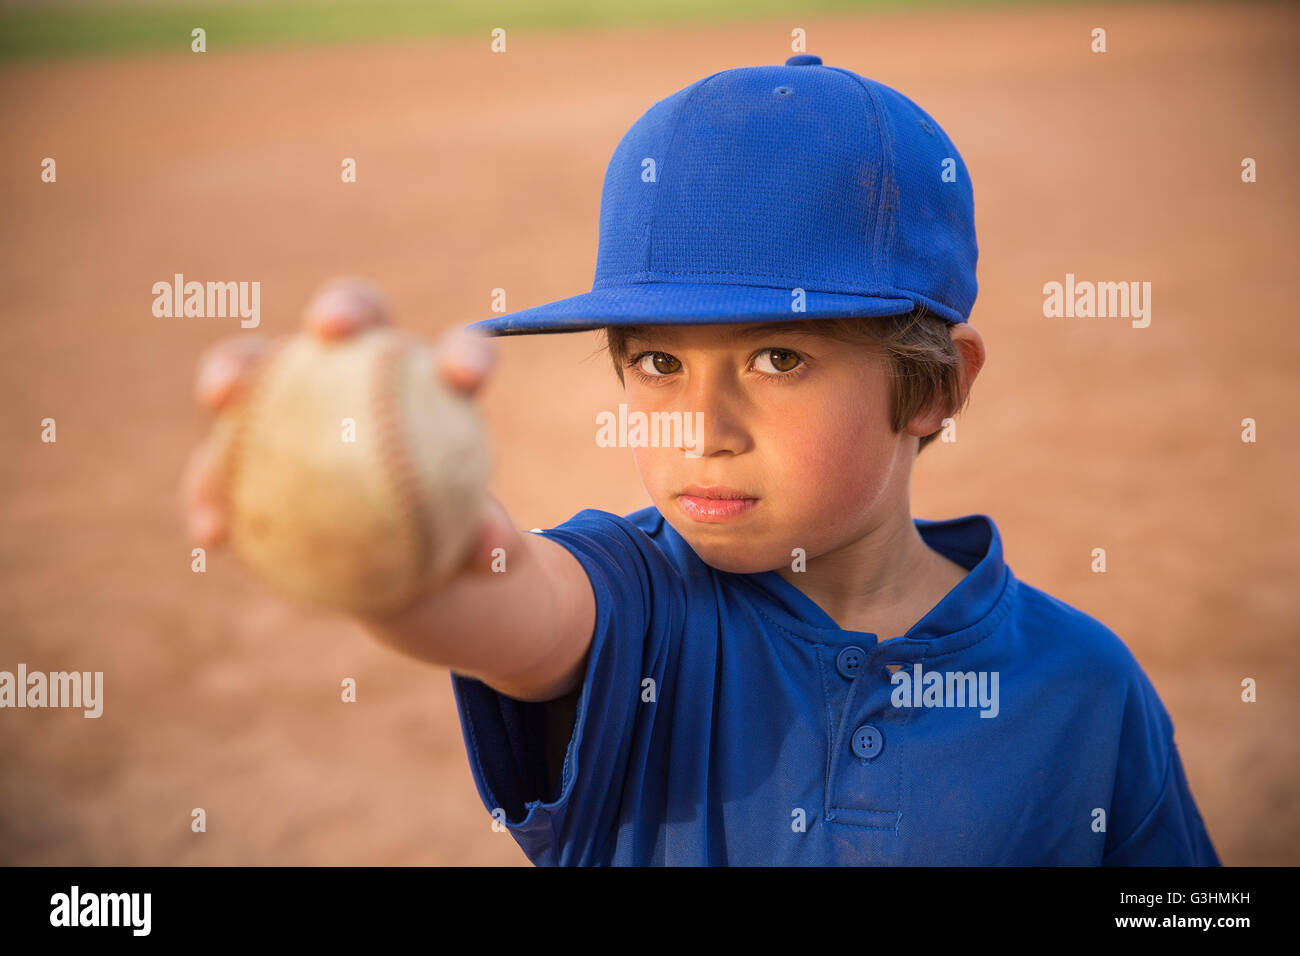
(685, 303)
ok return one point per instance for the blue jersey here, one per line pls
(727, 719)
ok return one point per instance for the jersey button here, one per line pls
(849, 661)
(867, 741)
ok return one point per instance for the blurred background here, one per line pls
(478, 170)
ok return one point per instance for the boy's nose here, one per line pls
(717, 420)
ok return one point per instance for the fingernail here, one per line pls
(214, 377)
(338, 303)
(204, 524)
(476, 358)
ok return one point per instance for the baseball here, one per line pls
(355, 477)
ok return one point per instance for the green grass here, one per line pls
(53, 30)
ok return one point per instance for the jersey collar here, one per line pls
(966, 615)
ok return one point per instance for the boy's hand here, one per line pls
(342, 308)
(525, 633)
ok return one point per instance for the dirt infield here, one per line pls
(478, 171)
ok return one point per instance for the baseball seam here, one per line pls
(246, 409)
(386, 389)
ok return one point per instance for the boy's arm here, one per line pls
(525, 632)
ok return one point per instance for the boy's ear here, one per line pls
(929, 421)
(970, 346)
(970, 352)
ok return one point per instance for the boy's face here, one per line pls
(798, 422)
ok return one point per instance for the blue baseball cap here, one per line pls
(773, 193)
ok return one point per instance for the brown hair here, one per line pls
(923, 362)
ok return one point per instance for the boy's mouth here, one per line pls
(714, 503)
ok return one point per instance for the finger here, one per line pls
(344, 307)
(201, 502)
(226, 368)
(466, 358)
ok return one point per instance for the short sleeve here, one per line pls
(1153, 818)
(1173, 833)
(638, 594)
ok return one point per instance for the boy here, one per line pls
(775, 663)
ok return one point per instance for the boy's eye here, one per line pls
(658, 363)
(781, 363)
(782, 360)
